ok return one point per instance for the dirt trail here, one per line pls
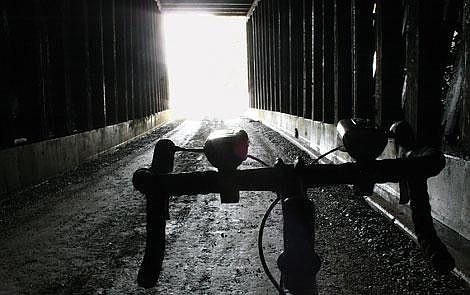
(83, 232)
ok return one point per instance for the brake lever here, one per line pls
(415, 192)
(404, 143)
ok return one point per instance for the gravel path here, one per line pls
(83, 232)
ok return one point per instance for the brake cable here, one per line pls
(260, 245)
(261, 231)
(258, 160)
(327, 153)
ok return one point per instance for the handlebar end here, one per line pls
(147, 278)
(142, 179)
(440, 257)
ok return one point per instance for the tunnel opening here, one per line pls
(207, 65)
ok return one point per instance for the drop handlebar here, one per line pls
(421, 164)
(413, 169)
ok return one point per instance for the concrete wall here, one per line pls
(449, 191)
(29, 164)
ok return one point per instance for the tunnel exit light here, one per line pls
(206, 58)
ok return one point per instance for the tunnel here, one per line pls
(86, 94)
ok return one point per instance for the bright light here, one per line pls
(206, 57)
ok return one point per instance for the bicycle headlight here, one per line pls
(362, 139)
(226, 149)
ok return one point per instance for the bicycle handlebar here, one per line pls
(424, 163)
(414, 170)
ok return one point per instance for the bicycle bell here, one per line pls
(362, 139)
(226, 149)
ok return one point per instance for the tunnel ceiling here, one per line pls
(217, 7)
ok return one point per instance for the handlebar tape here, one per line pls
(433, 247)
(155, 230)
(157, 212)
(155, 243)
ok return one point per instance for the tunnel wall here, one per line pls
(313, 63)
(71, 68)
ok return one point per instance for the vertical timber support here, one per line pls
(362, 57)
(95, 35)
(297, 56)
(160, 84)
(272, 60)
(156, 41)
(285, 60)
(307, 58)
(146, 58)
(265, 44)
(57, 63)
(261, 48)
(342, 60)
(35, 105)
(250, 61)
(294, 35)
(275, 46)
(121, 65)
(154, 53)
(466, 92)
(6, 128)
(389, 72)
(256, 53)
(109, 48)
(425, 48)
(269, 49)
(80, 67)
(317, 59)
(130, 58)
(138, 59)
(262, 41)
(328, 61)
(266, 49)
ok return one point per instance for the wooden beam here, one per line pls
(317, 59)
(277, 52)
(95, 35)
(263, 67)
(342, 60)
(426, 45)
(285, 56)
(328, 62)
(296, 57)
(80, 66)
(130, 59)
(249, 47)
(6, 109)
(110, 67)
(362, 58)
(466, 92)
(252, 8)
(307, 59)
(207, 2)
(389, 62)
(121, 63)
